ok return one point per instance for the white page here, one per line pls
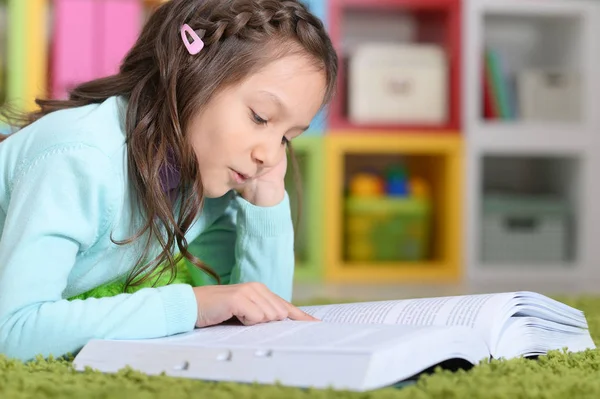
(293, 334)
(473, 311)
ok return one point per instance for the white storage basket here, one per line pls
(398, 83)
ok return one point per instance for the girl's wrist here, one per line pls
(265, 197)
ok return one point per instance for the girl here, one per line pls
(186, 144)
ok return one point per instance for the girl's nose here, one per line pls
(267, 155)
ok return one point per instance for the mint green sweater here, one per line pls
(64, 193)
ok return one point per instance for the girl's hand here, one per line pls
(268, 189)
(251, 303)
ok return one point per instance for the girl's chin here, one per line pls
(216, 191)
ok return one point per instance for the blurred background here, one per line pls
(459, 155)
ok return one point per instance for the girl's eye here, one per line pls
(257, 119)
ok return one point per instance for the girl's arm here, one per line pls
(250, 243)
(61, 202)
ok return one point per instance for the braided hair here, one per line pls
(166, 86)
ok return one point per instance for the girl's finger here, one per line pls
(249, 313)
(295, 313)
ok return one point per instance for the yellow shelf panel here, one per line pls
(413, 142)
(37, 52)
(391, 272)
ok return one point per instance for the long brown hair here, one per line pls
(165, 86)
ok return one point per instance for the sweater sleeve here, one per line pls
(60, 204)
(250, 243)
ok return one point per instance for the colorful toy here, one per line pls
(397, 181)
(387, 220)
(366, 184)
(419, 188)
(387, 229)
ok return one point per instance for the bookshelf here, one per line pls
(306, 198)
(4, 50)
(553, 39)
(90, 39)
(35, 68)
(21, 69)
(531, 131)
(5, 58)
(423, 239)
(499, 57)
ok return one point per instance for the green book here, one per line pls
(499, 83)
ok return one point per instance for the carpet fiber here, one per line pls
(557, 375)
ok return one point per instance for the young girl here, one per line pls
(186, 144)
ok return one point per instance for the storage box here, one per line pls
(398, 83)
(387, 229)
(546, 95)
(525, 229)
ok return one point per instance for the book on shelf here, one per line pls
(499, 100)
(356, 346)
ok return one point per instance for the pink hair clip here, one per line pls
(194, 47)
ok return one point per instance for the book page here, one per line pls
(473, 311)
(293, 334)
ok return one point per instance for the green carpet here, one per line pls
(557, 375)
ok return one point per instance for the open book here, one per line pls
(356, 346)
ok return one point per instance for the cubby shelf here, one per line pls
(440, 163)
(532, 38)
(8, 58)
(567, 178)
(506, 137)
(308, 151)
(530, 154)
(25, 63)
(36, 53)
(435, 21)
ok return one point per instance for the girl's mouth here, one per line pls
(238, 177)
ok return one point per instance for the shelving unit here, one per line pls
(64, 42)
(306, 200)
(555, 216)
(528, 37)
(433, 22)
(3, 49)
(539, 54)
(521, 130)
(438, 161)
(36, 53)
(430, 148)
(318, 125)
(14, 69)
(101, 31)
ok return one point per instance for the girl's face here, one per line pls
(242, 131)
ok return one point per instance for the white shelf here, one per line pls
(550, 280)
(549, 34)
(534, 33)
(577, 183)
(557, 8)
(530, 137)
